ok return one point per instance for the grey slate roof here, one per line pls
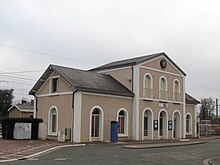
(86, 81)
(134, 61)
(191, 100)
(23, 107)
(26, 106)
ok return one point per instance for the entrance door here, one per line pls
(163, 125)
(176, 125)
(147, 129)
(95, 130)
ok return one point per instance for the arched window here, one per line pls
(176, 91)
(96, 124)
(122, 122)
(53, 121)
(148, 89)
(188, 124)
(163, 124)
(163, 88)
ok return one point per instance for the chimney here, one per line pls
(23, 101)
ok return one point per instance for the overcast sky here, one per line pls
(89, 33)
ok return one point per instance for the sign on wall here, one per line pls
(155, 124)
(170, 124)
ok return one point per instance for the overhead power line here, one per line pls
(46, 54)
(19, 83)
(17, 77)
(28, 71)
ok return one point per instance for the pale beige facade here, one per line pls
(157, 110)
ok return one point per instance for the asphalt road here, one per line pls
(99, 154)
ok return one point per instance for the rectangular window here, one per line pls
(54, 85)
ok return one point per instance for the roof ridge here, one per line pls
(80, 70)
(128, 61)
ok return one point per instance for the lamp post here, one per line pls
(217, 111)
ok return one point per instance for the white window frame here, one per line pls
(166, 90)
(165, 125)
(51, 85)
(50, 121)
(125, 134)
(174, 91)
(190, 124)
(151, 85)
(101, 121)
(151, 129)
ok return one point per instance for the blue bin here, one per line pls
(114, 131)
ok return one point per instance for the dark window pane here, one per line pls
(121, 124)
(96, 126)
(93, 128)
(54, 85)
(145, 126)
(54, 123)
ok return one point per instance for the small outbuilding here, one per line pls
(22, 110)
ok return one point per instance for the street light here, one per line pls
(217, 111)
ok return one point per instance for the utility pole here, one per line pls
(217, 111)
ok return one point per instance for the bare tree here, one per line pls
(207, 109)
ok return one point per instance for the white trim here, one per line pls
(166, 125)
(21, 110)
(152, 118)
(135, 121)
(49, 122)
(184, 109)
(151, 83)
(161, 71)
(180, 125)
(105, 95)
(101, 123)
(13, 107)
(190, 124)
(166, 87)
(27, 110)
(179, 90)
(115, 69)
(55, 94)
(35, 106)
(126, 122)
(167, 61)
(146, 62)
(158, 100)
(50, 84)
(77, 117)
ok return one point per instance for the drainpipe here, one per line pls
(132, 77)
(35, 106)
(72, 115)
